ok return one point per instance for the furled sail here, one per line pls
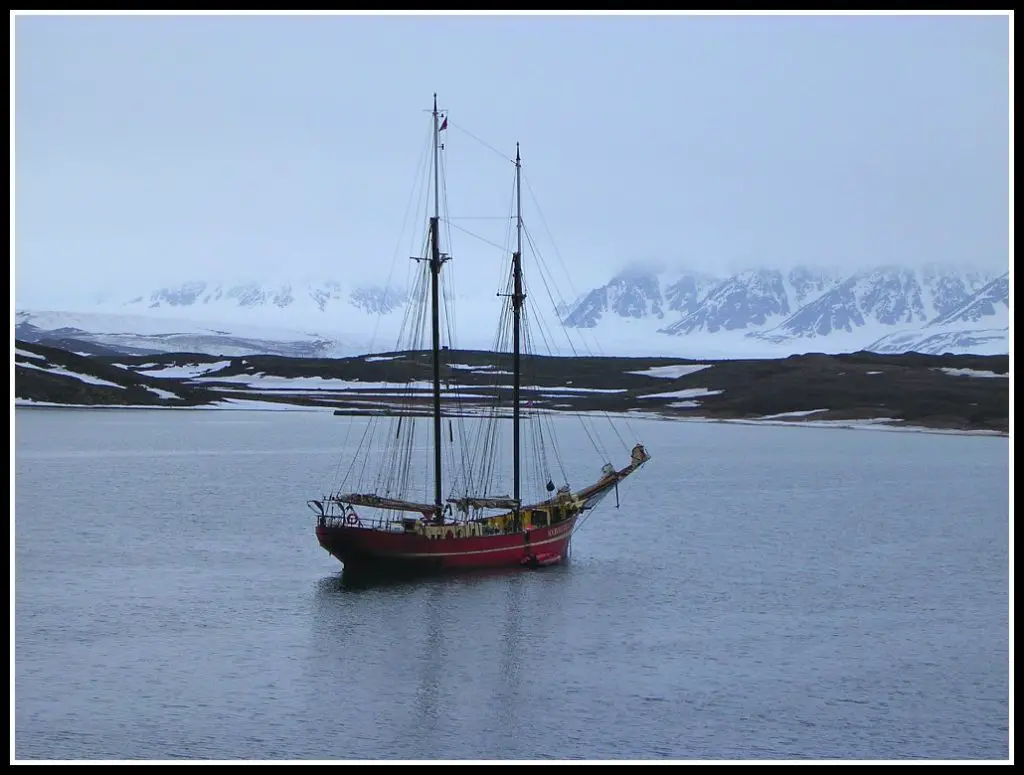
(381, 502)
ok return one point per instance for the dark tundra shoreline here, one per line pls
(953, 392)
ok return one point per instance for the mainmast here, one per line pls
(517, 304)
(436, 260)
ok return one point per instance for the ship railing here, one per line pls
(331, 514)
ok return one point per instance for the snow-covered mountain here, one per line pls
(991, 303)
(979, 323)
(685, 293)
(107, 333)
(889, 296)
(750, 299)
(639, 293)
(760, 312)
(304, 303)
(807, 309)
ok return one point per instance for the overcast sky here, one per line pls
(159, 149)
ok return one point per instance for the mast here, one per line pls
(517, 304)
(436, 260)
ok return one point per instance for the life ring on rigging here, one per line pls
(351, 518)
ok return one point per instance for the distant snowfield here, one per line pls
(159, 392)
(972, 373)
(685, 393)
(360, 334)
(65, 373)
(569, 389)
(159, 323)
(483, 369)
(185, 371)
(620, 337)
(938, 340)
(802, 413)
(672, 372)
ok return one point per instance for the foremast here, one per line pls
(436, 260)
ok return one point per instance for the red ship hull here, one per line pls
(369, 549)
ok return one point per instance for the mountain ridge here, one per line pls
(757, 311)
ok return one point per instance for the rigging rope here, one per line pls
(470, 135)
(562, 302)
(420, 182)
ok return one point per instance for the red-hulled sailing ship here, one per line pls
(380, 528)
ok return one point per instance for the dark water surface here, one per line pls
(762, 593)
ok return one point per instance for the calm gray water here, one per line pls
(764, 592)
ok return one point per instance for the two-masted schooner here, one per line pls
(381, 528)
